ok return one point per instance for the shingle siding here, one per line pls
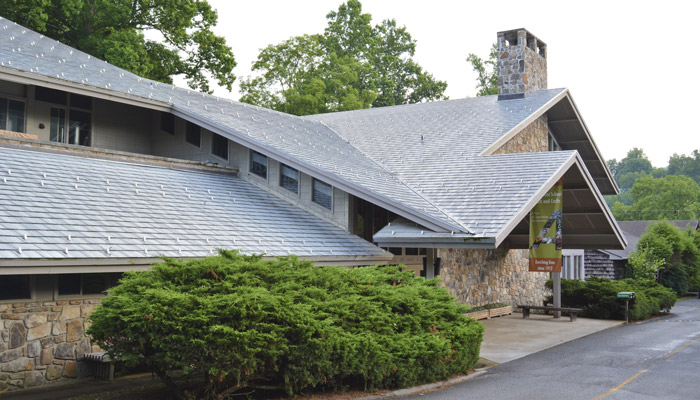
(600, 265)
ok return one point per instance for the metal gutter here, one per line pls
(89, 265)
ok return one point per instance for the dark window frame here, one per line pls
(317, 200)
(259, 169)
(167, 123)
(84, 135)
(287, 185)
(49, 95)
(109, 280)
(190, 131)
(5, 115)
(15, 282)
(79, 101)
(219, 146)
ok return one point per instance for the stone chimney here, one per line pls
(522, 64)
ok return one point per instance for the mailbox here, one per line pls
(625, 295)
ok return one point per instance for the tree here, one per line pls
(487, 81)
(635, 163)
(670, 197)
(114, 31)
(644, 265)
(677, 253)
(626, 172)
(685, 165)
(352, 65)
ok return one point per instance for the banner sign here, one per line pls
(545, 232)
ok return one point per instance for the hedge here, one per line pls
(235, 322)
(598, 297)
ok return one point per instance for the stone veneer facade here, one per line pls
(42, 341)
(478, 277)
(522, 63)
(532, 139)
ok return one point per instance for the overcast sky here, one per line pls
(632, 66)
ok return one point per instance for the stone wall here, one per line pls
(522, 63)
(478, 277)
(532, 139)
(41, 342)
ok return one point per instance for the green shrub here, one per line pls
(241, 322)
(676, 278)
(598, 297)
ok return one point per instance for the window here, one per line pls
(322, 194)
(51, 95)
(258, 164)
(57, 129)
(15, 287)
(77, 131)
(289, 178)
(193, 135)
(219, 146)
(12, 115)
(60, 97)
(167, 122)
(80, 101)
(79, 127)
(86, 284)
(68, 284)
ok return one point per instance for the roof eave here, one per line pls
(593, 143)
(28, 78)
(106, 265)
(523, 124)
(574, 159)
(564, 94)
(437, 243)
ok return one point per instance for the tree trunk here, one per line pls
(174, 389)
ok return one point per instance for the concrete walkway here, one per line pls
(511, 337)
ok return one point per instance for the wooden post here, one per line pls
(556, 292)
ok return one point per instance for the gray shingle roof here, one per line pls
(377, 154)
(451, 130)
(314, 148)
(75, 207)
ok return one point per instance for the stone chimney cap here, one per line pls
(512, 36)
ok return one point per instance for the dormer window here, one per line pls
(167, 123)
(289, 178)
(219, 146)
(258, 164)
(322, 194)
(193, 135)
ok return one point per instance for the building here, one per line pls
(611, 263)
(105, 171)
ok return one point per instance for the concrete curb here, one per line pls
(422, 388)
